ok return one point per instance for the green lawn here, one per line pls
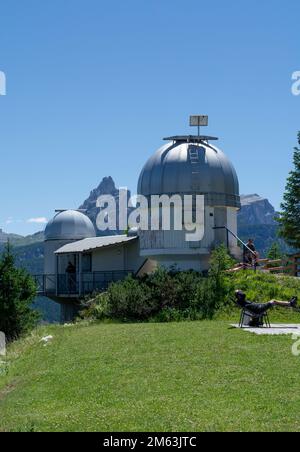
(200, 376)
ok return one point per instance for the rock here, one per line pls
(46, 339)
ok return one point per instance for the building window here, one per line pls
(86, 263)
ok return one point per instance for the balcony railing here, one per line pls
(77, 284)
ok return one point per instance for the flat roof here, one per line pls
(85, 245)
(191, 138)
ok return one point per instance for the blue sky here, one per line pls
(93, 87)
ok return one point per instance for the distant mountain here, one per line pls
(256, 210)
(4, 237)
(256, 220)
(19, 240)
(106, 187)
(29, 250)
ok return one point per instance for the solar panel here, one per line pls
(198, 121)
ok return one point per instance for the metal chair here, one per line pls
(262, 318)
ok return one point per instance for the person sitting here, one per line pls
(262, 308)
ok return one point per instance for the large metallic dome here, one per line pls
(69, 225)
(191, 168)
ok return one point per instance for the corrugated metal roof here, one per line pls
(94, 243)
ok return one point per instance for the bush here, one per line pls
(166, 295)
(130, 300)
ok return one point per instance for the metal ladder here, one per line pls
(196, 165)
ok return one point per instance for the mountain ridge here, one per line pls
(256, 210)
(255, 219)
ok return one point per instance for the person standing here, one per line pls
(250, 252)
(71, 277)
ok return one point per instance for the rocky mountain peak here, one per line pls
(106, 187)
(256, 210)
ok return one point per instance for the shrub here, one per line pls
(130, 300)
(94, 308)
(173, 289)
(166, 295)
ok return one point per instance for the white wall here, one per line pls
(123, 257)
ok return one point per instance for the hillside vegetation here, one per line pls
(173, 296)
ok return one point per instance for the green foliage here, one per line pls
(165, 295)
(275, 252)
(263, 287)
(129, 300)
(213, 294)
(290, 215)
(17, 292)
(220, 261)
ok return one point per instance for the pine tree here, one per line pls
(289, 219)
(275, 252)
(17, 292)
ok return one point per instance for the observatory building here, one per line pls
(191, 166)
(77, 262)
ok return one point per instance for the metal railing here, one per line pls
(46, 284)
(77, 284)
(245, 246)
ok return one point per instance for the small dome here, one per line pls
(69, 225)
(191, 168)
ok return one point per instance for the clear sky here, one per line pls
(93, 86)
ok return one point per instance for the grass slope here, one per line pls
(200, 376)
